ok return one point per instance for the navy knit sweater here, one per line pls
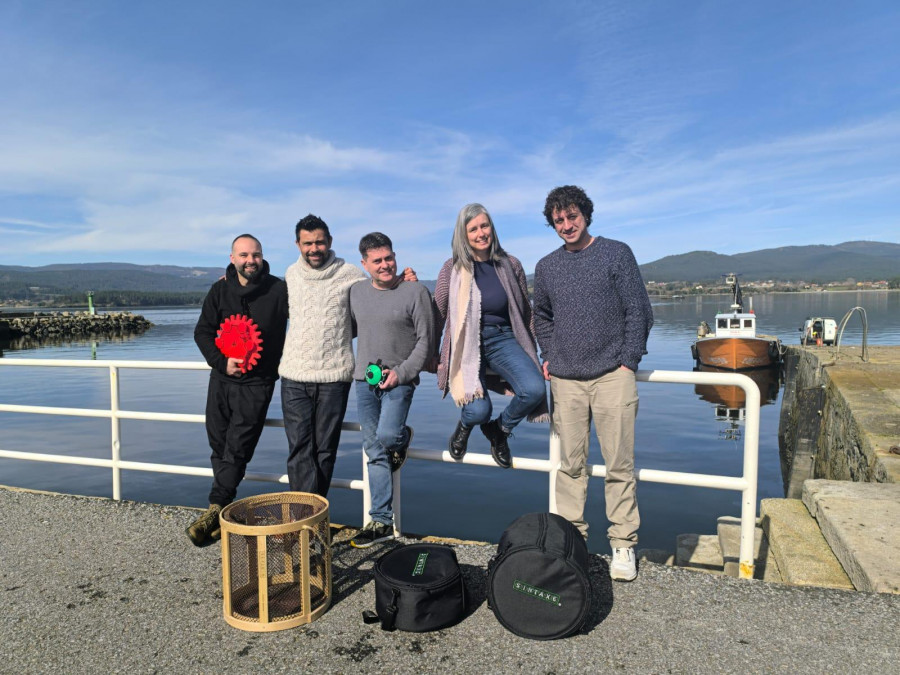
(591, 310)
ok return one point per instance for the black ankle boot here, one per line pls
(499, 447)
(459, 440)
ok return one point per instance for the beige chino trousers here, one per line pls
(612, 402)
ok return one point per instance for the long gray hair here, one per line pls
(462, 250)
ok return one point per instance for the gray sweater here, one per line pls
(591, 310)
(396, 326)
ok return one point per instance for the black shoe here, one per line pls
(398, 456)
(499, 447)
(206, 526)
(372, 533)
(459, 440)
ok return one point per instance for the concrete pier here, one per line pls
(839, 436)
(840, 416)
(95, 586)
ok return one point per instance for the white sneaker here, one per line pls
(622, 567)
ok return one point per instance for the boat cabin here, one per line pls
(736, 324)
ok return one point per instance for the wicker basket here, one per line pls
(276, 560)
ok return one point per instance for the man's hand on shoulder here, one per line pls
(409, 274)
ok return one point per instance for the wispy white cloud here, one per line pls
(27, 225)
(129, 197)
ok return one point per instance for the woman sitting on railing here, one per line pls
(482, 305)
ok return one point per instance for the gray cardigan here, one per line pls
(512, 277)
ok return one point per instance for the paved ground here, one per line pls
(94, 586)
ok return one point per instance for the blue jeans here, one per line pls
(501, 352)
(382, 417)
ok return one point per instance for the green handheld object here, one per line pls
(375, 373)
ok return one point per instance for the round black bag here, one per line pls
(418, 587)
(538, 583)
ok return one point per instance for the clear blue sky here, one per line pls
(153, 132)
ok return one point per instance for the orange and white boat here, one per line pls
(735, 345)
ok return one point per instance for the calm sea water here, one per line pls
(677, 429)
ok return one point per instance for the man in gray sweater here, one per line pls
(395, 325)
(592, 317)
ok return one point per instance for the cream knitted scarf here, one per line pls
(465, 357)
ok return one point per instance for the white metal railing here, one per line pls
(746, 484)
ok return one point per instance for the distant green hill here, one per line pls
(860, 260)
(20, 283)
(112, 276)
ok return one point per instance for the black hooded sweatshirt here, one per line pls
(265, 301)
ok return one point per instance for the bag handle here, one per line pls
(390, 616)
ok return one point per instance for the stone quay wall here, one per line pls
(840, 416)
(41, 325)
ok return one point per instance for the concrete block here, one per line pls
(865, 537)
(656, 555)
(729, 532)
(803, 556)
(814, 490)
(861, 523)
(699, 552)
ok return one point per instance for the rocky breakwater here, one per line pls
(50, 325)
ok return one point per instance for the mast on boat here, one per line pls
(737, 300)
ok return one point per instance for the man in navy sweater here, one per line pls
(592, 317)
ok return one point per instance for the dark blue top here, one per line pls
(494, 303)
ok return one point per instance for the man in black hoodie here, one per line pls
(237, 401)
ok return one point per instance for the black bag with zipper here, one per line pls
(418, 587)
(538, 583)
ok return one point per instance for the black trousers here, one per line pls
(235, 415)
(313, 413)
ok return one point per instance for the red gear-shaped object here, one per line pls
(239, 338)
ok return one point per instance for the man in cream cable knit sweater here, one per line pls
(317, 364)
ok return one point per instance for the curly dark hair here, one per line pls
(374, 240)
(310, 223)
(561, 198)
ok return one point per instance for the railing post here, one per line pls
(751, 472)
(114, 423)
(554, 467)
(367, 493)
(396, 503)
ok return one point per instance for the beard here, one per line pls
(316, 261)
(252, 274)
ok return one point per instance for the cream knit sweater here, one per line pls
(318, 345)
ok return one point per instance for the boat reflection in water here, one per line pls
(730, 400)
